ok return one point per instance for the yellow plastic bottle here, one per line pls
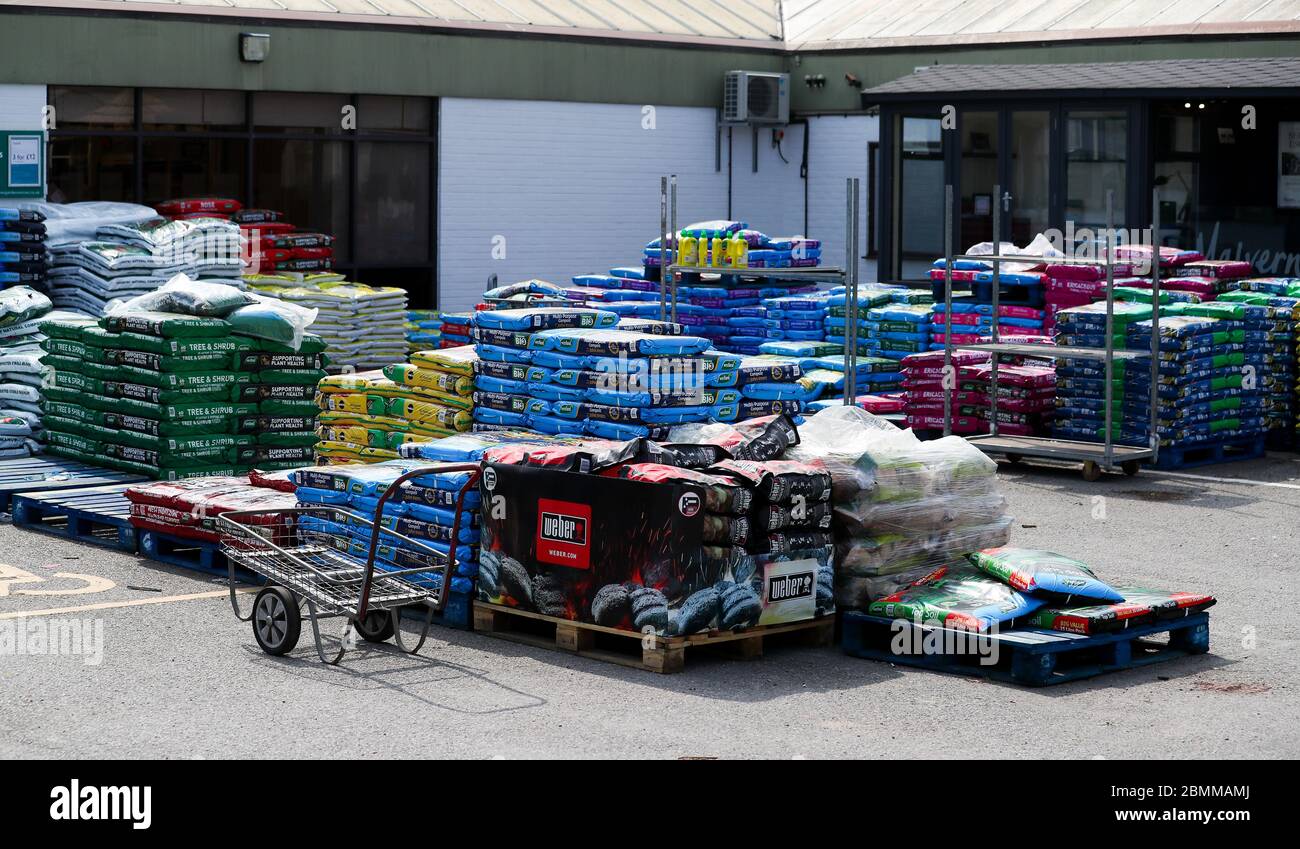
(738, 253)
(689, 249)
(718, 255)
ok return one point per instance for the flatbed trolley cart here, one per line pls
(308, 558)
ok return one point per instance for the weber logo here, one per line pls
(789, 587)
(563, 528)
(560, 528)
(75, 802)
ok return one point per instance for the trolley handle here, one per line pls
(475, 470)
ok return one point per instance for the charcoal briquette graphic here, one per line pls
(548, 595)
(489, 571)
(697, 612)
(649, 609)
(741, 607)
(515, 581)
(611, 604)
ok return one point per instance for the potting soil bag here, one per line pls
(272, 320)
(1092, 618)
(429, 378)
(1044, 573)
(611, 343)
(22, 303)
(544, 318)
(166, 325)
(958, 596)
(180, 294)
(1165, 604)
(767, 369)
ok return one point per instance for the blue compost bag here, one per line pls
(1043, 573)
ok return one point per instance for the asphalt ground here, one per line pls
(179, 677)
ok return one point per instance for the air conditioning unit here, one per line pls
(755, 97)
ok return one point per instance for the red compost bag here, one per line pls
(194, 206)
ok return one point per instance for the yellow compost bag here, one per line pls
(430, 378)
(352, 402)
(337, 419)
(436, 414)
(459, 360)
(330, 449)
(356, 382)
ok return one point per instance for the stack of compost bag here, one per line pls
(367, 416)
(127, 259)
(925, 386)
(423, 509)
(797, 317)
(364, 327)
(902, 507)
(573, 371)
(423, 330)
(189, 508)
(767, 385)
(1081, 383)
(1281, 314)
(972, 323)
(24, 259)
(193, 379)
(1000, 588)
(21, 373)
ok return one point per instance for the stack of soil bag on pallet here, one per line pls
(896, 330)
(364, 327)
(136, 257)
(1001, 588)
(189, 508)
(423, 509)
(925, 383)
(193, 379)
(571, 371)
(21, 373)
(24, 260)
(797, 318)
(423, 330)
(368, 416)
(972, 323)
(1281, 312)
(1081, 383)
(902, 507)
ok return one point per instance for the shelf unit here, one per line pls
(1095, 456)
(848, 276)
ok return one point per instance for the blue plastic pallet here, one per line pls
(48, 474)
(1209, 453)
(459, 612)
(97, 514)
(196, 554)
(1032, 656)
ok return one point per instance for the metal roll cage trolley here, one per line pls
(1095, 456)
(308, 558)
(848, 276)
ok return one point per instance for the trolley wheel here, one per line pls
(1015, 459)
(277, 622)
(1130, 467)
(376, 627)
(1091, 471)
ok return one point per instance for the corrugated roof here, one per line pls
(793, 24)
(1179, 74)
(810, 24)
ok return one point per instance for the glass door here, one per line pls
(980, 146)
(918, 196)
(1027, 176)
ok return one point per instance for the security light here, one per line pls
(254, 46)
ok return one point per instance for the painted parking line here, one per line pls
(1211, 479)
(110, 605)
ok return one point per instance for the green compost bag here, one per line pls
(70, 412)
(72, 441)
(229, 345)
(78, 382)
(261, 392)
(61, 363)
(311, 344)
(288, 438)
(291, 376)
(94, 336)
(267, 360)
(261, 455)
(187, 453)
(61, 347)
(65, 328)
(198, 381)
(254, 422)
(288, 407)
(960, 597)
(1043, 573)
(166, 325)
(162, 362)
(159, 395)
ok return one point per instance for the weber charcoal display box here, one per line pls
(628, 554)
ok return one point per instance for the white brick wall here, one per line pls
(574, 187)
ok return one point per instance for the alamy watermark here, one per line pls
(53, 636)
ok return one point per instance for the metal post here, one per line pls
(850, 299)
(1153, 436)
(947, 314)
(1108, 244)
(997, 297)
(851, 382)
(663, 246)
(672, 277)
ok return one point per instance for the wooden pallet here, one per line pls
(629, 648)
(1208, 453)
(1031, 656)
(50, 474)
(97, 514)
